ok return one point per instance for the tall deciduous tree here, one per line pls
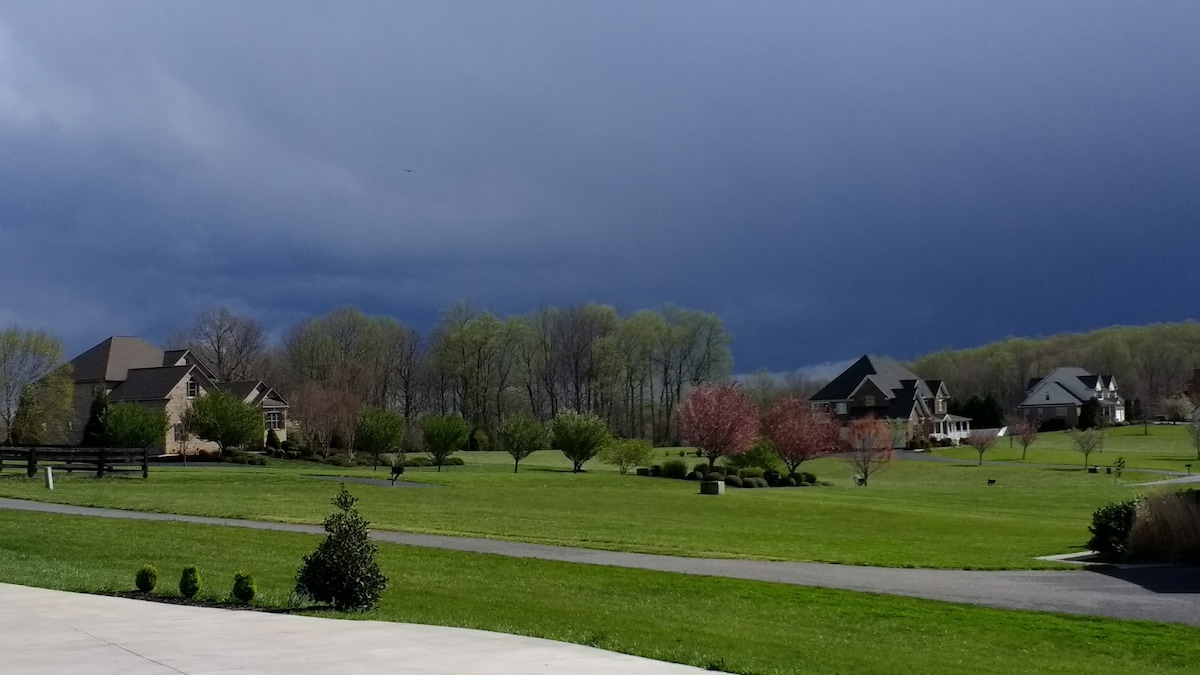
(26, 357)
(230, 344)
(226, 420)
(521, 436)
(444, 435)
(579, 436)
(45, 409)
(719, 420)
(324, 411)
(378, 431)
(798, 433)
(868, 447)
(131, 425)
(1027, 433)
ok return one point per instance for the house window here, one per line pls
(869, 401)
(941, 405)
(1060, 412)
(275, 420)
(193, 389)
(841, 408)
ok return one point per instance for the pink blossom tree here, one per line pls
(798, 433)
(719, 420)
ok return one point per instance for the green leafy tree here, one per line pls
(131, 425)
(93, 430)
(44, 410)
(580, 436)
(521, 436)
(26, 358)
(378, 431)
(342, 571)
(444, 435)
(627, 454)
(222, 418)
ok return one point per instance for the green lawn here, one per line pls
(737, 626)
(916, 514)
(1164, 447)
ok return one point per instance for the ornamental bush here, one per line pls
(674, 468)
(244, 588)
(750, 472)
(733, 481)
(146, 578)
(189, 582)
(342, 571)
(695, 475)
(714, 476)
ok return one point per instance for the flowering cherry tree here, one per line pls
(797, 433)
(719, 420)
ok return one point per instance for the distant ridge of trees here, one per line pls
(1151, 363)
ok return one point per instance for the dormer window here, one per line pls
(869, 401)
(193, 388)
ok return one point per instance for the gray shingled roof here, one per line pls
(887, 374)
(171, 356)
(110, 360)
(241, 390)
(149, 384)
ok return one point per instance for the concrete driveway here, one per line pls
(44, 631)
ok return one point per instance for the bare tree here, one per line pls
(1087, 442)
(1027, 432)
(869, 447)
(982, 441)
(229, 344)
(323, 411)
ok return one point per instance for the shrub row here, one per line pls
(244, 588)
(1161, 528)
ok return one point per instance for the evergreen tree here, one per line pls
(342, 571)
(93, 430)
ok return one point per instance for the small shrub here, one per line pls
(733, 480)
(807, 477)
(257, 460)
(273, 440)
(674, 468)
(244, 588)
(342, 570)
(789, 482)
(762, 482)
(292, 454)
(287, 446)
(340, 460)
(146, 578)
(749, 483)
(189, 582)
(418, 461)
(695, 475)
(702, 467)
(1110, 528)
(714, 476)
(761, 456)
(750, 472)
(454, 461)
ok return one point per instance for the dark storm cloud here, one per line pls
(832, 178)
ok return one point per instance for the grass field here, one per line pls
(736, 626)
(1166, 447)
(914, 515)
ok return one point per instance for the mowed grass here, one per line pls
(735, 626)
(916, 514)
(1159, 446)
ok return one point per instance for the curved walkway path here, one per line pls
(44, 631)
(1170, 594)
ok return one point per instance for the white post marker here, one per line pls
(49, 478)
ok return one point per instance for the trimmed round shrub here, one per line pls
(695, 475)
(714, 476)
(1110, 528)
(674, 468)
(244, 588)
(454, 461)
(750, 472)
(702, 467)
(749, 482)
(418, 461)
(789, 482)
(146, 578)
(733, 480)
(807, 477)
(189, 582)
(763, 482)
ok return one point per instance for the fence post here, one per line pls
(31, 468)
(145, 462)
(100, 464)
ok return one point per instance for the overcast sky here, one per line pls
(831, 178)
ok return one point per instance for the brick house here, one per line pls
(135, 371)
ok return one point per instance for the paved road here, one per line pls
(1170, 594)
(926, 457)
(44, 631)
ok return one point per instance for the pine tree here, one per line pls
(342, 571)
(93, 430)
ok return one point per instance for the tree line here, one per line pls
(631, 371)
(1152, 364)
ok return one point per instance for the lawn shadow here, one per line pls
(1158, 579)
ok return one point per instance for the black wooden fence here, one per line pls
(101, 461)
